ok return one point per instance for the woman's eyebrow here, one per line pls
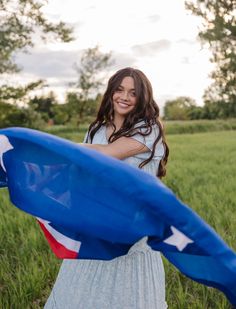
(132, 89)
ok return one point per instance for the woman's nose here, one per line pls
(125, 96)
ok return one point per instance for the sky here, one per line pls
(158, 37)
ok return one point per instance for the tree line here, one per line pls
(21, 19)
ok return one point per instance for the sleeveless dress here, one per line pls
(133, 281)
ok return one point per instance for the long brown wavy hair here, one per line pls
(145, 112)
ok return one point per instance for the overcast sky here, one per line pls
(157, 36)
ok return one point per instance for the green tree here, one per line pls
(219, 31)
(14, 108)
(218, 109)
(20, 21)
(13, 115)
(17, 95)
(196, 112)
(81, 111)
(212, 110)
(60, 114)
(44, 105)
(90, 70)
(179, 108)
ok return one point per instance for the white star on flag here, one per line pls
(178, 239)
(5, 146)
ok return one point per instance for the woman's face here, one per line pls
(124, 98)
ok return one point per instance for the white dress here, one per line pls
(132, 281)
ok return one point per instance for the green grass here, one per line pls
(201, 171)
(27, 267)
(68, 132)
(171, 127)
(197, 126)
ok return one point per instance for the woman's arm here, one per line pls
(122, 148)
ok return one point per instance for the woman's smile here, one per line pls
(123, 104)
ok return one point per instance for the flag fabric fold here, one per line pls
(91, 206)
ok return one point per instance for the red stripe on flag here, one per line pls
(61, 251)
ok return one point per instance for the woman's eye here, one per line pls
(133, 94)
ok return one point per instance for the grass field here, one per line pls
(201, 171)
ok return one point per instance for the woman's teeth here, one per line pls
(123, 104)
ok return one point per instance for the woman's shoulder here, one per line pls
(99, 137)
(143, 128)
(147, 134)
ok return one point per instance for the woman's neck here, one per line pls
(118, 121)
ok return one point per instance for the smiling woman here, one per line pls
(128, 128)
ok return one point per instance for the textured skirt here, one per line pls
(133, 281)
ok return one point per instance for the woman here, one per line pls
(128, 128)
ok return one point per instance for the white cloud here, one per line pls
(151, 48)
(158, 37)
(153, 18)
(46, 63)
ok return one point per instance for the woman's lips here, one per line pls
(124, 105)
